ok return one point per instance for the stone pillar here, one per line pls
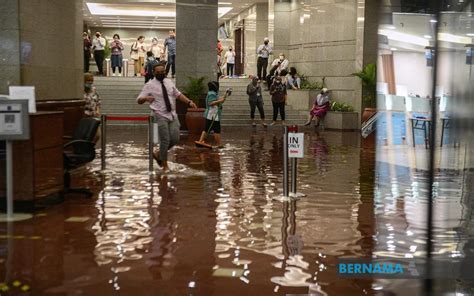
(9, 45)
(281, 33)
(262, 23)
(46, 51)
(196, 40)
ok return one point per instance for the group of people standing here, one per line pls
(138, 52)
(278, 81)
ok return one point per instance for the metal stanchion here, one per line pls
(294, 164)
(103, 123)
(285, 161)
(150, 143)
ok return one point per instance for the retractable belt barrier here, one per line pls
(103, 121)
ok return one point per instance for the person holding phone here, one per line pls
(98, 45)
(116, 57)
(254, 91)
(138, 54)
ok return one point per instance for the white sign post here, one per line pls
(295, 145)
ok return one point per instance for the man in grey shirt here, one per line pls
(170, 48)
(263, 52)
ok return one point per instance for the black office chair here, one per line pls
(83, 151)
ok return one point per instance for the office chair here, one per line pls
(82, 152)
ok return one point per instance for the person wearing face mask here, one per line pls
(278, 65)
(263, 52)
(116, 57)
(156, 49)
(161, 94)
(254, 91)
(321, 106)
(98, 45)
(230, 61)
(279, 97)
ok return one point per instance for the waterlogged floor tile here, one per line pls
(77, 219)
(228, 272)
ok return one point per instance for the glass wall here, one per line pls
(424, 140)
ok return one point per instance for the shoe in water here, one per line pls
(273, 123)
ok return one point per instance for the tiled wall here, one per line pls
(322, 38)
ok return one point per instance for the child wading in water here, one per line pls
(213, 114)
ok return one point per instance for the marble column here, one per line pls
(196, 40)
(261, 23)
(281, 33)
(45, 51)
(9, 45)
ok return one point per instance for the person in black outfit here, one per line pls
(87, 51)
(254, 91)
(279, 96)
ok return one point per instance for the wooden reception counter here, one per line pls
(37, 162)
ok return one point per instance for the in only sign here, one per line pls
(295, 145)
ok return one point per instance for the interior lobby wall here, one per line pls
(129, 35)
(411, 71)
(322, 37)
(51, 47)
(9, 45)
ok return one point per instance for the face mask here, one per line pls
(97, 35)
(266, 42)
(230, 49)
(160, 76)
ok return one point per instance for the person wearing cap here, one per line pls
(321, 106)
(263, 53)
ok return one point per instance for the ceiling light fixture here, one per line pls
(427, 36)
(104, 9)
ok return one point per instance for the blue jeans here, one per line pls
(171, 63)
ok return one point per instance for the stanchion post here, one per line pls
(285, 161)
(103, 128)
(150, 143)
(9, 179)
(294, 164)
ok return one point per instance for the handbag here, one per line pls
(134, 53)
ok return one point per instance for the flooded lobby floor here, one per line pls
(217, 223)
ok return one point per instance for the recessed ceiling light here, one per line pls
(433, 21)
(470, 34)
(427, 36)
(393, 49)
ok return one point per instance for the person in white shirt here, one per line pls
(98, 45)
(230, 61)
(157, 50)
(138, 54)
(263, 53)
(278, 65)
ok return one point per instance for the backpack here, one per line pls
(150, 65)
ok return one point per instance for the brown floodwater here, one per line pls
(217, 223)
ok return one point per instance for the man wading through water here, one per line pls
(161, 94)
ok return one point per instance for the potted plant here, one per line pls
(341, 117)
(368, 76)
(194, 118)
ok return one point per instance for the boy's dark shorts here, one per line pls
(216, 126)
